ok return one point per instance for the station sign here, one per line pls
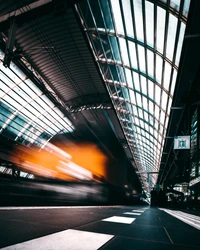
(182, 142)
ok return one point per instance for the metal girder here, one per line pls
(23, 10)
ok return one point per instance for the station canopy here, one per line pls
(137, 45)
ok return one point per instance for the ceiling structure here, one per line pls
(109, 69)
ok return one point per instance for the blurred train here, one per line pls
(75, 175)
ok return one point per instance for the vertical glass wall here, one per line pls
(28, 116)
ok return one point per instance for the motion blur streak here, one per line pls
(73, 162)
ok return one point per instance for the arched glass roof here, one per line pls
(137, 45)
(28, 116)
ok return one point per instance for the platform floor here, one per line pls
(90, 228)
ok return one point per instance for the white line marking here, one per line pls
(183, 217)
(66, 240)
(138, 211)
(119, 219)
(53, 207)
(132, 213)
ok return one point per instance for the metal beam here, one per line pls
(23, 10)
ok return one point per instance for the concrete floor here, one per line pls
(100, 227)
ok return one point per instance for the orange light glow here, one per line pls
(80, 161)
(89, 156)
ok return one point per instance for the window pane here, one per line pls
(136, 81)
(180, 43)
(124, 53)
(157, 94)
(115, 48)
(186, 7)
(117, 16)
(132, 96)
(164, 100)
(149, 7)
(107, 15)
(134, 63)
(129, 78)
(150, 63)
(141, 58)
(151, 111)
(171, 36)
(151, 89)
(175, 4)
(173, 82)
(160, 29)
(128, 17)
(144, 99)
(159, 63)
(167, 76)
(138, 98)
(138, 19)
(143, 85)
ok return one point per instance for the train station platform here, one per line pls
(99, 227)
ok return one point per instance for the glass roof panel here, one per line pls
(180, 43)
(157, 94)
(143, 85)
(107, 17)
(161, 13)
(175, 4)
(115, 48)
(129, 78)
(136, 81)
(117, 16)
(128, 18)
(138, 19)
(142, 36)
(173, 82)
(139, 100)
(133, 58)
(150, 63)
(167, 75)
(164, 100)
(132, 96)
(124, 52)
(26, 112)
(141, 58)
(151, 89)
(171, 36)
(159, 63)
(186, 8)
(149, 8)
